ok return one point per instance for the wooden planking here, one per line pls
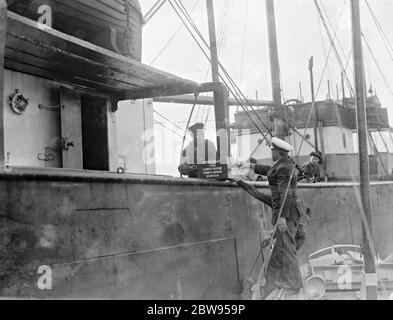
(3, 28)
(110, 8)
(24, 30)
(69, 65)
(116, 10)
(161, 91)
(209, 101)
(95, 24)
(89, 10)
(82, 84)
(173, 90)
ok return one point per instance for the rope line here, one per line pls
(332, 41)
(169, 121)
(235, 91)
(152, 12)
(381, 32)
(378, 65)
(163, 125)
(173, 37)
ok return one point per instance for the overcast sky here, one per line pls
(245, 50)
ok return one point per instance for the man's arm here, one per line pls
(258, 168)
(255, 193)
(261, 169)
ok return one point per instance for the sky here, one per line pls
(245, 54)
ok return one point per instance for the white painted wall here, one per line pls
(28, 135)
(333, 140)
(336, 140)
(383, 141)
(134, 123)
(39, 130)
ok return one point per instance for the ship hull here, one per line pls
(111, 236)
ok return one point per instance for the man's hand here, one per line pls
(282, 225)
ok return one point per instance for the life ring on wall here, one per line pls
(18, 102)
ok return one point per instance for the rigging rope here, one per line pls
(244, 43)
(163, 125)
(196, 94)
(323, 44)
(343, 10)
(378, 65)
(151, 13)
(173, 36)
(235, 87)
(375, 148)
(231, 81)
(382, 33)
(151, 9)
(189, 120)
(347, 57)
(383, 140)
(332, 41)
(231, 90)
(318, 89)
(169, 121)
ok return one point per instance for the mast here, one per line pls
(369, 259)
(311, 68)
(280, 124)
(273, 51)
(213, 40)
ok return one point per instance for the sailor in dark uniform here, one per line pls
(283, 269)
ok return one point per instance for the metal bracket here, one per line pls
(46, 157)
(67, 143)
(49, 108)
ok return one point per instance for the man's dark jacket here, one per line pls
(278, 176)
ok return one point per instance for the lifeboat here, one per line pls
(115, 25)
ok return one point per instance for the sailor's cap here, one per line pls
(280, 145)
(196, 127)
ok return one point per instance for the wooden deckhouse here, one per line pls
(72, 76)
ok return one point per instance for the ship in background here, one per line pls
(67, 119)
(329, 126)
(337, 136)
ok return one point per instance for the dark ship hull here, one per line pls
(109, 236)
